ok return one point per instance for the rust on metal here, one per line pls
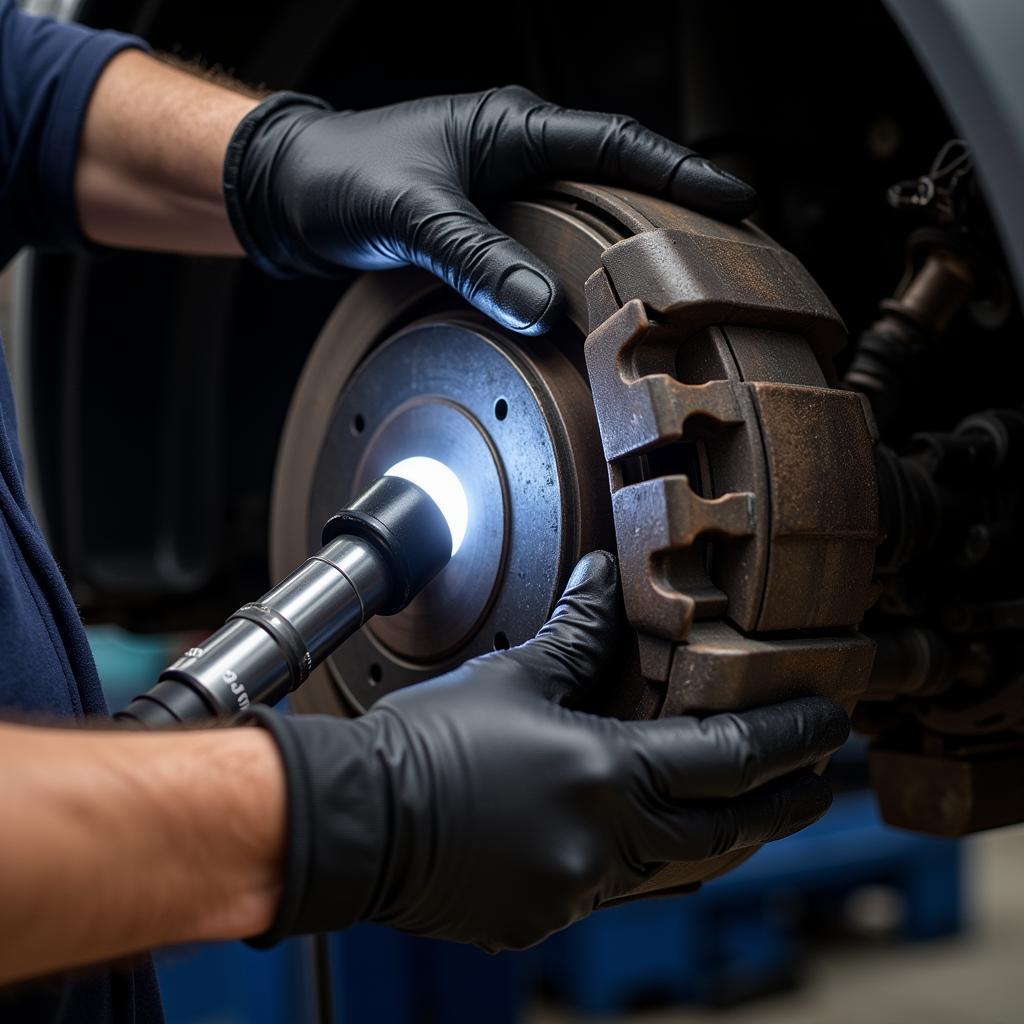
(655, 518)
(706, 273)
(824, 502)
(723, 341)
(723, 669)
(640, 403)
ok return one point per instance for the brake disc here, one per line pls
(684, 412)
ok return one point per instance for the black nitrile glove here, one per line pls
(478, 807)
(310, 190)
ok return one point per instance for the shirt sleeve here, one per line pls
(47, 73)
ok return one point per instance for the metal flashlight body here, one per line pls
(379, 553)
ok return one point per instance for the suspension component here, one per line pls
(945, 704)
(887, 353)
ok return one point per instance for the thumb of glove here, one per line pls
(572, 648)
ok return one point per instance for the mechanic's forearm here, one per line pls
(150, 164)
(117, 842)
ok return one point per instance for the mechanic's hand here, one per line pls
(479, 807)
(310, 190)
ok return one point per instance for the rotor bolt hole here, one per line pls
(500, 409)
(376, 675)
(358, 423)
(501, 641)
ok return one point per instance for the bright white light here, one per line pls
(443, 486)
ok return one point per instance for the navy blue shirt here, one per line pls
(47, 73)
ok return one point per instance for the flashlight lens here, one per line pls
(443, 486)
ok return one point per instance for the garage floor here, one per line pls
(975, 979)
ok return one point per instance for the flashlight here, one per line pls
(379, 552)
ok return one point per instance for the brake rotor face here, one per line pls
(454, 388)
(735, 483)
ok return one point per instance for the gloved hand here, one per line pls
(310, 190)
(479, 807)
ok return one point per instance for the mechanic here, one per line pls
(479, 807)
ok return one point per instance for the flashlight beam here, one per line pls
(441, 483)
